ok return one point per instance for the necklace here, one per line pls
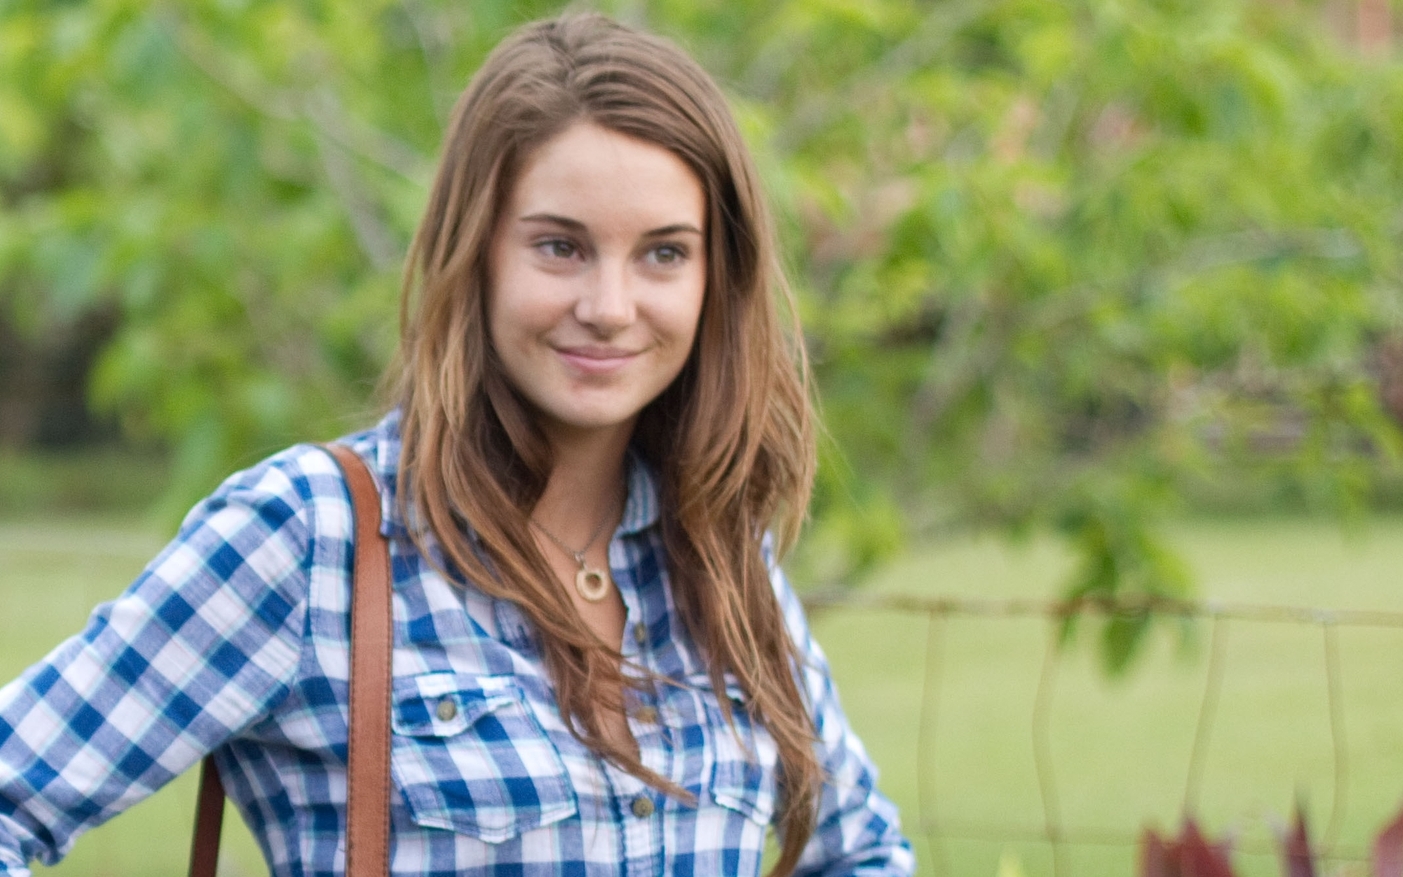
(592, 583)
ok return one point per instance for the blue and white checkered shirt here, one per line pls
(234, 640)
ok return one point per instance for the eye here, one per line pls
(557, 248)
(667, 254)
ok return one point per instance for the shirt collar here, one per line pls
(641, 506)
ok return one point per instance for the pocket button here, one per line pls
(447, 709)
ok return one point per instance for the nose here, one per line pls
(606, 303)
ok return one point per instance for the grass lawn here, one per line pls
(1119, 749)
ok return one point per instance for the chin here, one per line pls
(592, 421)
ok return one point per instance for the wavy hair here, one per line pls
(731, 438)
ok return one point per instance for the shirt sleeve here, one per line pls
(204, 643)
(857, 831)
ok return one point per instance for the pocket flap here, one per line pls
(469, 756)
(745, 756)
(445, 704)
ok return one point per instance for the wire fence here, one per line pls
(1056, 832)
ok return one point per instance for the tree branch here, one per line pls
(432, 41)
(934, 31)
(318, 108)
(375, 239)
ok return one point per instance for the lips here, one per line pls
(595, 360)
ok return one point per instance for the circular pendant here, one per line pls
(592, 584)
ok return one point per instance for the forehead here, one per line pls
(591, 172)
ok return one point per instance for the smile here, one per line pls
(595, 360)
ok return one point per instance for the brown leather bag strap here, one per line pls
(372, 644)
(372, 651)
(209, 821)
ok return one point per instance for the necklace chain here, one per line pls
(578, 555)
(592, 584)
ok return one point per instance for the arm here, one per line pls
(201, 645)
(857, 831)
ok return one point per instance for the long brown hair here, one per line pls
(731, 438)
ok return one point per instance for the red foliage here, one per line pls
(1296, 854)
(1388, 850)
(1190, 855)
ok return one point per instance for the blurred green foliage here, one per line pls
(103, 483)
(1059, 262)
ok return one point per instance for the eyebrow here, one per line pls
(576, 225)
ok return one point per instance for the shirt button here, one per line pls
(642, 806)
(640, 633)
(647, 715)
(447, 709)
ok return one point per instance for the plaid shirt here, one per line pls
(234, 640)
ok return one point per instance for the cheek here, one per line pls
(686, 303)
(511, 312)
(687, 327)
(516, 297)
(499, 315)
(689, 317)
(499, 335)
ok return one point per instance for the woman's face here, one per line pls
(597, 272)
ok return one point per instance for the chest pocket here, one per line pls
(469, 756)
(745, 758)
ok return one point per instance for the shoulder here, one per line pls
(286, 482)
(302, 485)
(283, 500)
(271, 528)
(790, 605)
(811, 665)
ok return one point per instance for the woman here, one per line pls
(590, 346)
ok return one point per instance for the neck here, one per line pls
(585, 487)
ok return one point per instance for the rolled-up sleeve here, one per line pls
(857, 831)
(204, 643)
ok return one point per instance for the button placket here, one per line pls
(640, 834)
